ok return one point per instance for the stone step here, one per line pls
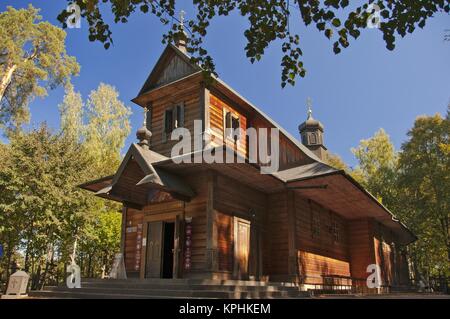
(145, 290)
(170, 286)
(45, 294)
(180, 293)
(189, 282)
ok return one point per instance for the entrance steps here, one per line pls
(173, 288)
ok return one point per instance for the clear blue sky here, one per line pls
(354, 93)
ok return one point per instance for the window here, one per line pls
(173, 118)
(231, 125)
(168, 126)
(313, 138)
(315, 224)
(335, 230)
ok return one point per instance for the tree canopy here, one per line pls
(268, 22)
(43, 212)
(33, 59)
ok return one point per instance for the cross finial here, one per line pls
(309, 105)
(182, 13)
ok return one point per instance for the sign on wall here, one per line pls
(188, 244)
(137, 259)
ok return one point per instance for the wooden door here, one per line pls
(154, 242)
(241, 247)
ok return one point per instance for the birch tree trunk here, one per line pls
(6, 79)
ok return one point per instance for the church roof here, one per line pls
(190, 69)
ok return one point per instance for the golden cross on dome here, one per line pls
(182, 13)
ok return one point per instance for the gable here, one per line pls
(171, 66)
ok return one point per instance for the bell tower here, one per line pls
(311, 132)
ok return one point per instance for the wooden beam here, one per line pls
(123, 230)
(211, 224)
(292, 234)
(205, 109)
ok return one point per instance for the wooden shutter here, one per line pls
(180, 113)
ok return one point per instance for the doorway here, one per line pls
(169, 238)
(241, 248)
(160, 250)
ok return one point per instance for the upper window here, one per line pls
(232, 124)
(173, 118)
(168, 123)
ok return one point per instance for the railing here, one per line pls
(335, 284)
(433, 284)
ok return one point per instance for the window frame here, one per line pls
(176, 112)
(233, 118)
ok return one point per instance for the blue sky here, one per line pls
(355, 93)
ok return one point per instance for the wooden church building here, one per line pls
(307, 223)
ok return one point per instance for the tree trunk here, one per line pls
(6, 79)
(48, 263)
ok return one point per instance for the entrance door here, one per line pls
(241, 247)
(160, 250)
(154, 240)
(168, 250)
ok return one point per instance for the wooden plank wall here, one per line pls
(325, 243)
(387, 254)
(290, 154)
(361, 247)
(190, 96)
(196, 209)
(276, 239)
(175, 69)
(314, 266)
(132, 258)
(231, 198)
(320, 254)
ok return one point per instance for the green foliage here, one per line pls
(33, 59)
(425, 182)
(43, 212)
(42, 207)
(107, 127)
(378, 166)
(269, 22)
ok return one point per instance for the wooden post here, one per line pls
(176, 247)
(123, 230)
(211, 225)
(205, 111)
(292, 235)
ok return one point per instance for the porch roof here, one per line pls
(339, 192)
(137, 180)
